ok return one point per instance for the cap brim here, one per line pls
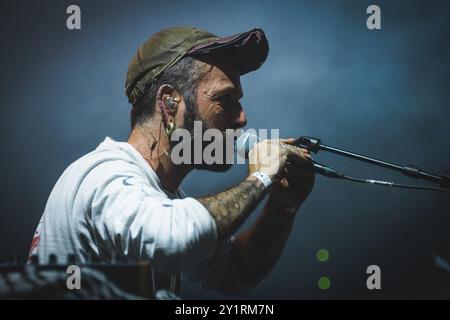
(249, 50)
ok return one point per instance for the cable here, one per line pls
(395, 185)
(333, 173)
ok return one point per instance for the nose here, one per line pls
(240, 118)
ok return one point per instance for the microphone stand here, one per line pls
(315, 145)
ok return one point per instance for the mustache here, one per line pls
(189, 125)
(192, 114)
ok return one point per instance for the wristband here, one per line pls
(264, 178)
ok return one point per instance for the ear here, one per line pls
(167, 98)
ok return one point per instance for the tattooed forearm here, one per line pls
(230, 208)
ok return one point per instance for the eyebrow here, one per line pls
(230, 89)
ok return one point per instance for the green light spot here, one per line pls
(324, 283)
(322, 255)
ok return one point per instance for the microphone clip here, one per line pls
(312, 144)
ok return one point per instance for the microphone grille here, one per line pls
(245, 143)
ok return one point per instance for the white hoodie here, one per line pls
(110, 202)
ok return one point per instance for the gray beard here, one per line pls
(189, 119)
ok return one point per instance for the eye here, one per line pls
(227, 99)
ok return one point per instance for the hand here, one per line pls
(294, 186)
(271, 157)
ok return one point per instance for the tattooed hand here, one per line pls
(292, 190)
(270, 157)
(295, 183)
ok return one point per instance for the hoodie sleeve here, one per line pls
(128, 216)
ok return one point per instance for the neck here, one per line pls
(142, 138)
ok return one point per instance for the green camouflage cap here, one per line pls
(247, 50)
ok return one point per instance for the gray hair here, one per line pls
(184, 76)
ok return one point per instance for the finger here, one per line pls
(305, 153)
(299, 153)
(284, 183)
(289, 141)
(294, 149)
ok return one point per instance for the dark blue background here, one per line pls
(383, 93)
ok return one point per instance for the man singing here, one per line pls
(123, 198)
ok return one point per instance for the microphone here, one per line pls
(246, 141)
